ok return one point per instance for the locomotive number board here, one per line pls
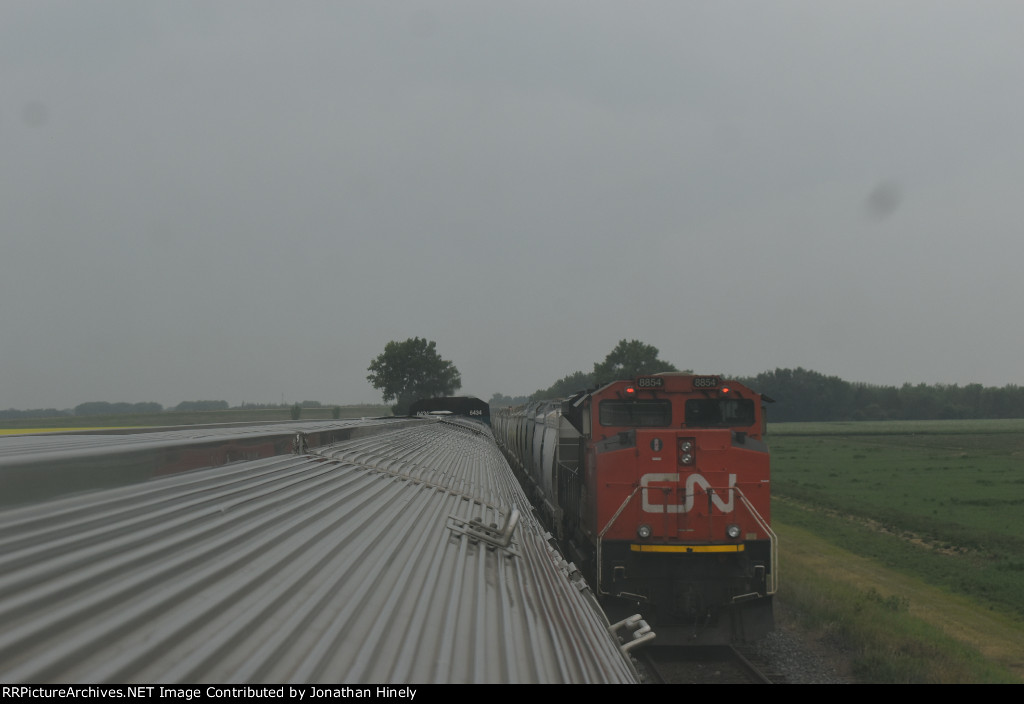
(650, 382)
(706, 382)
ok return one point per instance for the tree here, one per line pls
(500, 400)
(566, 386)
(628, 360)
(806, 395)
(411, 370)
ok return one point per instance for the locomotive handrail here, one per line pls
(773, 540)
(600, 536)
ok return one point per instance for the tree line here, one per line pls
(410, 370)
(107, 408)
(805, 395)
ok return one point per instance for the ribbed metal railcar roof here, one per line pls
(19, 447)
(34, 468)
(353, 566)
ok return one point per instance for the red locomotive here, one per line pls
(659, 489)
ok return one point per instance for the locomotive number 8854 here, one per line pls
(659, 489)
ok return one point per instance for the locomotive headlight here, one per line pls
(733, 531)
(685, 446)
(644, 531)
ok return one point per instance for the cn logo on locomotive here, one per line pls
(692, 481)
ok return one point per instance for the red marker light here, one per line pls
(630, 390)
(725, 389)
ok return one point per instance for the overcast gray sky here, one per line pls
(247, 200)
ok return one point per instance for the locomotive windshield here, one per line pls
(636, 414)
(719, 412)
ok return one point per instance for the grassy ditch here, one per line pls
(884, 623)
(938, 503)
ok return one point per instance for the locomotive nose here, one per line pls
(687, 490)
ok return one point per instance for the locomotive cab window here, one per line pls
(719, 412)
(636, 414)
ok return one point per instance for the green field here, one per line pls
(936, 501)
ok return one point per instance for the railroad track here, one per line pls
(707, 665)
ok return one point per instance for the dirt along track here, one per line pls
(998, 638)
